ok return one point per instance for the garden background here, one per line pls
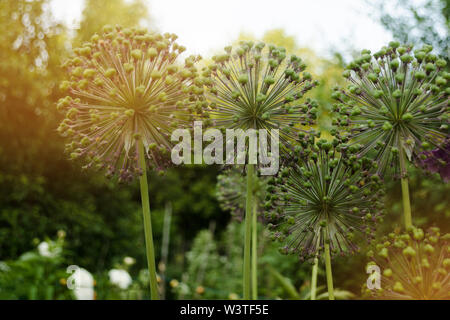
(53, 215)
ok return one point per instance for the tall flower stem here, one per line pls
(405, 191)
(255, 252)
(328, 269)
(147, 224)
(248, 231)
(314, 278)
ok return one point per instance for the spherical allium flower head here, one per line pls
(232, 192)
(438, 161)
(327, 194)
(396, 104)
(126, 86)
(255, 88)
(413, 265)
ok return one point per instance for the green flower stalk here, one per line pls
(396, 107)
(324, 200)
(256, 88)
(413, 265)
(231, 193)
(126, 93)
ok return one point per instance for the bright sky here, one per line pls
(205, 26)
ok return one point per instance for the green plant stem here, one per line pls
(405, 192)
(314, 278)
(248, 232)
(148, 224)
(406, 203)
(255, 252)
(328, 271)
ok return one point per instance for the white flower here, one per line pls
(120, 278)
(129, 261)
(44, 250)
(48, 249)
(4, 267)
(84, 284)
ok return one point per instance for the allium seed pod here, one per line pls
(397, 104)
(124, 86)
(232, 192)
(413, 265)
(255, 88)
(327, 194)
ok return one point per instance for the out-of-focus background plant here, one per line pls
(87, 221)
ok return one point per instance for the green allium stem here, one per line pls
(314, 278)
(248, 232)
(405, 192)
(328, 271)
(148, 224)
(255, 252)
(406, 203)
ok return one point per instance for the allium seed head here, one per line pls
(327, 194)
(123, 87)
(413, 265)
(397, 104)
(258, 87)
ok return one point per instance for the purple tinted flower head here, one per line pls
(437, 161)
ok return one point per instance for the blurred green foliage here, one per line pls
(214, 256)
(40, 276)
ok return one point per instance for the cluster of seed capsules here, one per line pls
(327, 194)
(397, 104)
(413, 265)
(256, 86)
(124, 86)
(232, 192)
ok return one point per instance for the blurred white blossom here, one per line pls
(129, 261)
(120, 278)
(82, 283)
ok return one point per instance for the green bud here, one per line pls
(383, 253)
(407, 117)
(128, 67)
(110, 73)
(243, 79)
(394, 64)
(398, 287)
(397, 93)
(409, 252)
(387, 126)
(441, 63)
(387, 273)
(429, 67)
(136, 54)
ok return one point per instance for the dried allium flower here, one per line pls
(253, 88)
(396, 104)
(437, 161)
(232, 192)
(413, 265)
(328, 195)
(126, 85)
